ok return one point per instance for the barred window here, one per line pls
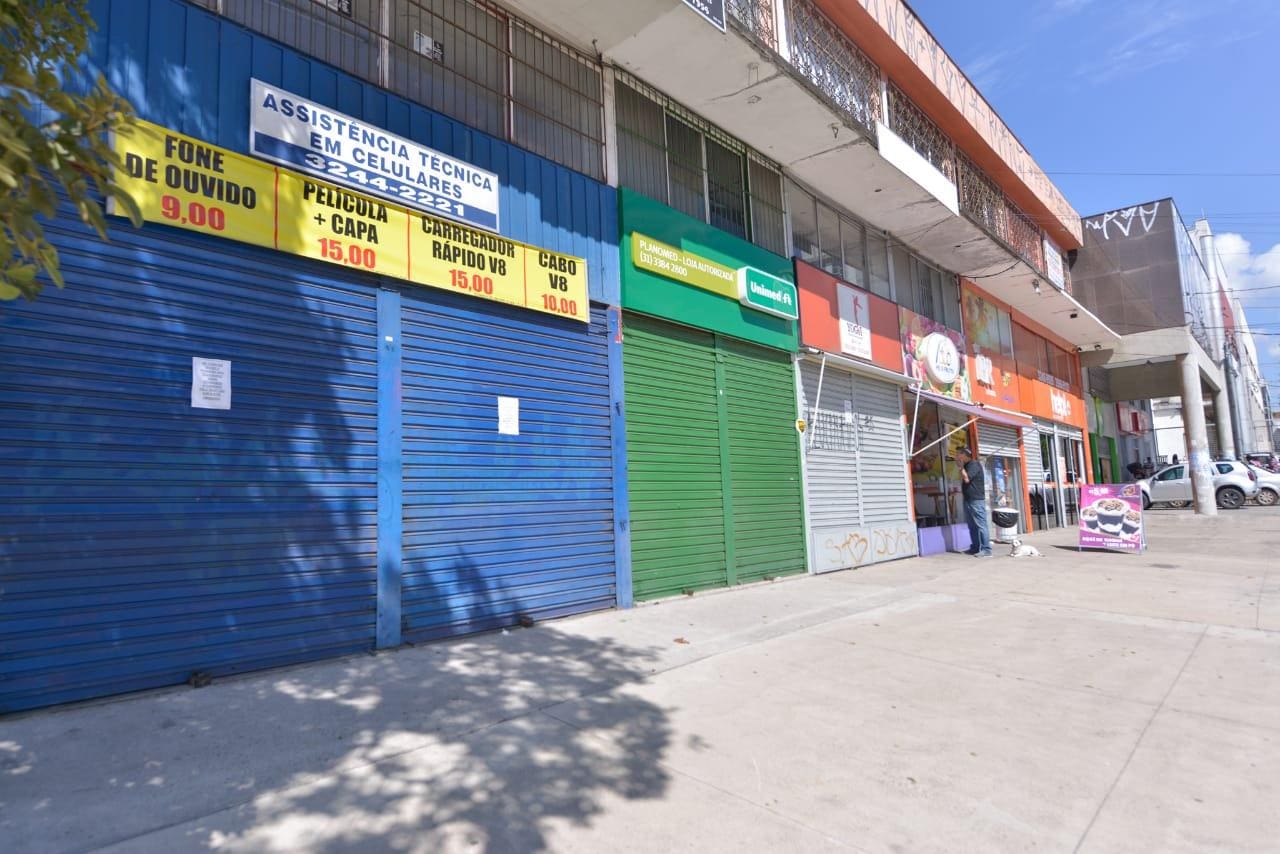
(556, 101)
(842, 245)
(642, 135)
(341, 35)
(878, 264)
(804, 223)
(726, 189)
(854, 247)
(937, 294)
(450, 56)
(829, 249)
(462, 58)
(669, 154)
(684, 155)
(768, 224)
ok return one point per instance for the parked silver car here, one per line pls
(1234, 483)
(1268, 486)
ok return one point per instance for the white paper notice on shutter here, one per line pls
(855, 322)
(210, 383)
(509, 416)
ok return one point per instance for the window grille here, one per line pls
(669, 154)
(463, 58)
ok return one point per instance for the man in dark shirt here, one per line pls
(974, 492)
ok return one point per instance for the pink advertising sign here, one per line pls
(1111, 517)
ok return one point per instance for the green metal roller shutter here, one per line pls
(673, 459)
(713, 460)
(764, 462)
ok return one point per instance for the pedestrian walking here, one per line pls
(974, 492)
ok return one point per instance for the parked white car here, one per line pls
(1268, 486)
(1234, 483)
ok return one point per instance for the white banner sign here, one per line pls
(312, 138)
(1053, 265)
(855, 322)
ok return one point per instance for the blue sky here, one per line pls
(1107, 89)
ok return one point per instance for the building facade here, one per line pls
(1142, 272)
(450, 315)
(354, 383)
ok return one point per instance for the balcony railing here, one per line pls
(1024, 236)
(758, 17)
(828, 59)
(918, 131)
(983, 201)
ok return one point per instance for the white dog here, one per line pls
(1019, 550)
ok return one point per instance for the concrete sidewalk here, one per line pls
(1091, 702)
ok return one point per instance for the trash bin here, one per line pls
(1006, 521)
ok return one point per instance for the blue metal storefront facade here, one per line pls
(145, 540)
(357, 493)
(497, 526)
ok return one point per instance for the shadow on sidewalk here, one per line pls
(425, 749)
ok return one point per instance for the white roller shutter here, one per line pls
(997, 439)
(885, 497)
(1035, 463)
(831, 447)
(855, 469)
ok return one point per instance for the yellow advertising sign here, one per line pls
(186, 183)
(555, 283)
(675, 263)
(180, 181)
(332, 224)
(446, 255)
(451, 256)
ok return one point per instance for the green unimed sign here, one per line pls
(759, 290)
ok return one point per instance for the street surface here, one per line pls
(1095, 702)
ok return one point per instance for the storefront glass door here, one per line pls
(1071, 461)
(1004, 486)
(1045, 498)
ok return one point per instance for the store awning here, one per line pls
(978, 411)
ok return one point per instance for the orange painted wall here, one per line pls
(1035, 395)
(820, 317)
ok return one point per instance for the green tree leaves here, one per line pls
(53, 138)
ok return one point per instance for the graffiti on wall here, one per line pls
(1122, 222)
(846, 548)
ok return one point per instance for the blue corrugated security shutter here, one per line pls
(499, 525)
(145, 540)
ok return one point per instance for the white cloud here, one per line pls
(1254, 277)
(1069, 7)
(987, 70)
(1248, 270)
(1145, 35)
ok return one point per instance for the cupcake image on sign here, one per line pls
(1111, 514)
(1089, 518)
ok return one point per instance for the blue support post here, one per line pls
(390, 478)
(618, 425)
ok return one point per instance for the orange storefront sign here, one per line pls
(830, 309)
(1048, 400)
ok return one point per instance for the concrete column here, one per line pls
(1198, 459)
(1222, 417)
